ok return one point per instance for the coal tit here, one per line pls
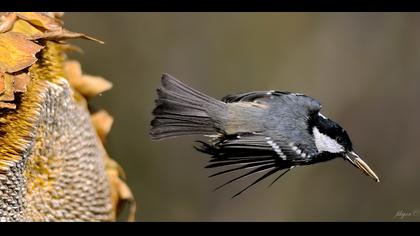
(265, 131)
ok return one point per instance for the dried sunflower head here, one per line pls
(43, 101)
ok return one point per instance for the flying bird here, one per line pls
(263, 131)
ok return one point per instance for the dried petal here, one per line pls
(7, 105)
(21, 82)
(63, 34)
(86, 85)
(16, 52)
(40, 19)
(102, 122)
(8, 94)
(2, 85)
(120, 192)
(54, 14)
(126, 197)
(71, 48)
(73, 71)
(93, 85)
(25, 28)
(6, 21)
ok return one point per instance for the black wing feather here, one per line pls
(240, 161)
(251, 96)
(278, 177)
(258, 180)
(254, 171)
(242, 167)
(248, 151)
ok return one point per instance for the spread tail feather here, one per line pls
(181, 110)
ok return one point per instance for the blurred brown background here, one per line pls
(363, 67)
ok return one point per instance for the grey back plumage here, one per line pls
(283, 121)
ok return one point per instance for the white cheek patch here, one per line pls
(325, 143)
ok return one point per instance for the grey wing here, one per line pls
(286, 124)
(281, 148)
(289, 123)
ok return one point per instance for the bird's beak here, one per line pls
(354, 159)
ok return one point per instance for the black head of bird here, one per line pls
(265, 131)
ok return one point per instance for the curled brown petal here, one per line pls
(86, 85)
(41, 20)
(6, 21)
(7, 105)
(8, 94)
(25, 28)
(55, 14)
(2, 84)
(16, 52)
(21, 82)
(63, 34)
(102, 122)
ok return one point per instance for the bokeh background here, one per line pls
(363, 67)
